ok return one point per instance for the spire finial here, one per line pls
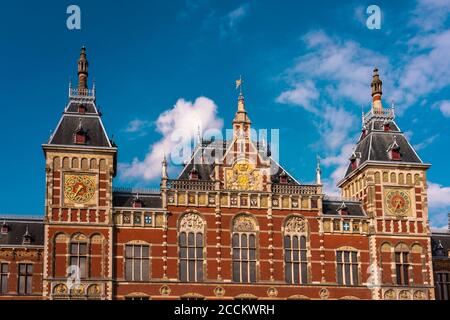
(241, 105)
(377, 91)
(164, 168)
(83, 65)
(318, 171)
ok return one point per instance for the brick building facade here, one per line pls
(233, 225)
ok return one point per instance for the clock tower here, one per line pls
(387, 175)
(80, 166)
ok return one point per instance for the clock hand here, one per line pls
(80, 187)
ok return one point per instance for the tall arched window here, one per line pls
(191, 247)
(244, 249)
(79, 254)
(402, 264)
(295, 250)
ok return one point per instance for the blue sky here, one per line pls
(160, 65)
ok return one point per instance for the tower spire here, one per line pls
(318, 172)
(377, 91)
(83, 65)
(241, 122)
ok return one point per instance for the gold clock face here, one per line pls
(398, 202)
(79, 188)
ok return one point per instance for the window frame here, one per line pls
(140, 259)
(302, 275)
(188, 255)
(4, 278)
(402, 267)
(441, 284)
(244, 261)
(26, 278)
(84, 274)
(347, 270)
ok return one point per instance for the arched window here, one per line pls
(295, 250)
(191, 247)
(244, 249)
(79, 254)
(402, 264)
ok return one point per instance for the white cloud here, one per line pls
(345, 65)
(439, 204)
(444, 106)
(339, 162)
(232, 19)
(137, 125)
(303, 95)
(425, 143)
(430, 14)
(178, 126)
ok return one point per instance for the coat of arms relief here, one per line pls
(244, 176)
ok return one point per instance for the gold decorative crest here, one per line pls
(243, 176)
(79, 189)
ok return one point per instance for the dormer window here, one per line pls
(386, 126)
(343, 209)
(193, 175)
(283, 177)
(80, 135)
(364, 131)
(4, 228)
(80, 138)
(81, 108)
(26, 239)
(394, 151)
(137, 203)
(355, 160)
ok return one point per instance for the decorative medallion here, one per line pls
(272, 292)
(60, 289)
(191, 222)
(324, 293)
(165, 290)
(404, 295)
(219, 291)
(94, 290)
(79, 189)
(244, 223)
(398, 202)
(419, 295)
(295, 225)
(389, 295)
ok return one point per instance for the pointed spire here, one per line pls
(318, 172)
(377, 91)
(83, 65)
(241, 122)
(164, 168)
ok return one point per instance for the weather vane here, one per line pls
(239, 83)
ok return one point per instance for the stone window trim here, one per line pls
(353, 265)
(244, 227)
(140, 261)
(191, 247)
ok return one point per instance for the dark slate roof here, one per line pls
(331, 207)
(125, 199)
(375, 144)
(96, 135)
(205, 169)
(17, 227)
(440, 244)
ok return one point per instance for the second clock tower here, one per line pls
(80, 165)
(388, 176)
